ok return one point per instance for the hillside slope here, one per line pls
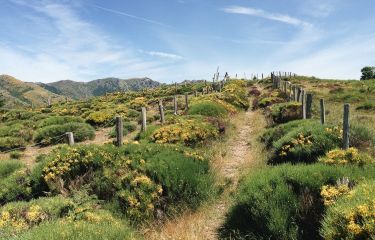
(99, 87)
(17, 93)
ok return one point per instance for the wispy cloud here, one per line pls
(130, 16)
(165, 55)
(71, 48)
(267, 15)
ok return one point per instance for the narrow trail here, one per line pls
(238, 157)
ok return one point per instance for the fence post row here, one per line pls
(70, 138)
(161, 111)
(322, 112)
(144, 120)
(119, 131)
(345, 136)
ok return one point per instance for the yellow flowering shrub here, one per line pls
(343, 157)
(187, 131)
(138, 102)
(100, 117)
(331, 193)
(352, 216)
(299, 141)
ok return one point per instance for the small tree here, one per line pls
(368, 73)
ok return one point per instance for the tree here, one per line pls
(368, 73)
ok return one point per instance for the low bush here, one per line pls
(20, 130)
(285, 202)
(368, 106)
(15, 186)
(100, 118)
(207, 108)
(7, 143)
(235, 93)
(59, 120)
(306, 143)
(8, 166)
(273, 134)
(17, 217)
(268, 101)
(147, 135)
(128, 127)
(97, 228)
(344, 157)
(285, 112)
(139, 178)
(50, 134)
(15, 154)
(187, 131)
(362, 138)
(352, 216)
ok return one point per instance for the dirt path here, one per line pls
(239, 157)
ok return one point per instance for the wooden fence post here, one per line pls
(196, 93)
(119, 131)
(186, 101)
(70, 138)
(49, 102)
(161, 111)
(322, 112)
(299, 94)
(345, 136)
(309, 99)
(144, 120)
(303, 101)
(175, 104)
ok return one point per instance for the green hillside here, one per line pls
(21, 94)
(99, 87)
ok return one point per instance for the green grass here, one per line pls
(207, 108)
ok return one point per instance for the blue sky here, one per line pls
(174, 40)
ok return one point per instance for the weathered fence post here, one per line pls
(345, 137)
(161, 111)
(175, 87)
(186, 101)
(119, 131)
(299, 94)
(196, 93)
(309, 99)
(303, 100)
(175, 104)
(322, 112)
(49, 102)
(70, 138)
(144, 119)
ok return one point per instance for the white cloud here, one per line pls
(165, 55)
(263, 14)
(71, 48)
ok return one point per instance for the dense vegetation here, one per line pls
(312, 189)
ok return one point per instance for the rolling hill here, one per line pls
(99, 87)
(17, 93)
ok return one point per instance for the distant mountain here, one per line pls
(99, 87)
(23, 94)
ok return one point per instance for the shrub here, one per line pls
(187, 131)
(284, 202)
(366, 106)
(273, 134)
(254, 92)
(15, 186)
(147, 135)
(285, 112)
(17, 217)
(50, 134)
(16, 154)
(349, 156)
(7, 143)
(268, 101)
(8, 166)
(352, 216)
(59, 120)
(140, 178)
(20, 130)
(97, 228)
(100, 118)
(362, 138)
(306, 143)
(207, 108)
(128, 127)
(235, 93)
